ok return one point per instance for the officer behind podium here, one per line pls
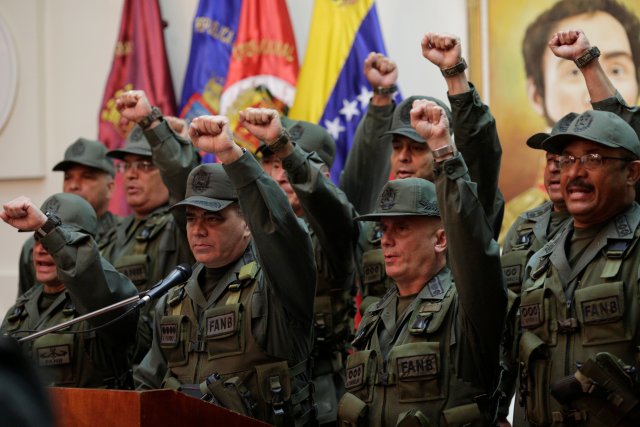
(239, 331)
(579, 310)
(427, 352)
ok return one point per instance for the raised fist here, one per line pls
(571, 44)
(380, 70)
(263, 123)
(22, 214)
(431, 123)
(133, 106)
(211, 134)
(443, 50)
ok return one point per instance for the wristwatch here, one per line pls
(52, 222)
(279, 143)
(154, 115)
(591, 54)
(388, 90)
(441, 152)
(455, 70)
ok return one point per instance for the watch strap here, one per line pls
(50, 224)
(591, 54)
(441, 152)
(280, 142)
(154, 115)
(385, 90)
(455, 70)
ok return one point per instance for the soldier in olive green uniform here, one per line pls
(149, 243)
(386, 143)
(89, 173)
(579, 310)
(73, 280)
(427, 352)
(239, 331)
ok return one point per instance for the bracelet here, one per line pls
(382, 90)
(455, 70)
(441, 152)
(154, 115)
(591, 54)
(280, 142)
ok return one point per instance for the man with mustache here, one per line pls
(579, 307)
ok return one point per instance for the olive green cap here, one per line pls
(310, 137)
(401, 122)
(535, 141)
(86, 152)
(136, 144)
(405, 197)
(209, 188)
(74, 211)
(601, 127)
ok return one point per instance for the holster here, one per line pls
(352, 412)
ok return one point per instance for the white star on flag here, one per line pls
(349, 109)
(365, 96)
(334, 127)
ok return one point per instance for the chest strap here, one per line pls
(615, 252)
(247, 273)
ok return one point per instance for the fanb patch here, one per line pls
(600, 310)
(354, 376)
(169, 334)
(200, 182)
(531, 315)
(512, 274)
(54, 355)
(388, 199)
(221, 325)
(417, 366)
(77, 149)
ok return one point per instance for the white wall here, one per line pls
(64, 53)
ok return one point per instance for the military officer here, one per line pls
(427, 352)
(72, 279)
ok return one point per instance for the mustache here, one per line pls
(579, 184)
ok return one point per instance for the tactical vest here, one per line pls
(415, 385)
(64, 358)
(222, 359)
(564, 330)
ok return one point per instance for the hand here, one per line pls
(178, 125)
(443, 50)
(263, 123)
(22, 214)
(133, 106)
(571, 44)
(212, 134)
(380, 71)
(431, 123)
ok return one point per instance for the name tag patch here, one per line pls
(221, 325)
(512, 274)
(530, 315)
(417, 366)
(169, 333)
(372, 273)
(600, 310)
(54, 355)
(136, 273)
(355, 376)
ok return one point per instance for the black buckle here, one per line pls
(567, 326)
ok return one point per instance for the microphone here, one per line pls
(178, 275)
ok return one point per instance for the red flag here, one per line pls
(139, 62)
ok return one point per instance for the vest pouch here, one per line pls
(136, 268)
(174, 339)
(54, 354)
(352, 412)
(323, 319)
(538, 315)
(373, 266)
(464, 415)
(360, 374)
(513, 264)
(536, 371)
(231, 394)
(413, 418)
(415, 367)
(223, 331)
(274, 388)
(600, 311)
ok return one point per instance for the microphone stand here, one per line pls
(93, 314)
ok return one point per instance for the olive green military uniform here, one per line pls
(437, 362)
(147, 249)
(97, 359)
(242, 333)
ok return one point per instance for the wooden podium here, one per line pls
(79, 407)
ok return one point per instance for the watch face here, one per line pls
(8, 73)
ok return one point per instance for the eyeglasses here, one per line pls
(589, 161)
(143, 165)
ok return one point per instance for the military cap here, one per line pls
(601, 127)
(535, 141)
(401, 122)
(86, 152)
(310, 137)
(136, 144)
(405, 197)
(75, 212)
(209, 188)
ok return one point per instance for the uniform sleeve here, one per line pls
(617, 105)
(326, 208)
(150, 373)
(282, 240)
(476, 136)
(474, 258)
(92, 282)
(367, 168)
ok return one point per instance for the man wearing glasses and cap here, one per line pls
(579, 309)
